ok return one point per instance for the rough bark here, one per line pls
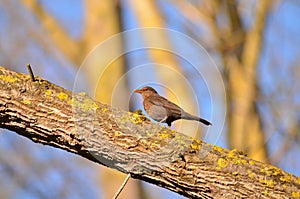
(128, 142)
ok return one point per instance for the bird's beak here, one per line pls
(137, 91)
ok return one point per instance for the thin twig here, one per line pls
(30, 72)
(121, 187)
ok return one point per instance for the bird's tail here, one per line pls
(188, 116)
(204, 121)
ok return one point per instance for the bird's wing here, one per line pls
(163, 102)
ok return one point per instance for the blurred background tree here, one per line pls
(255, 45)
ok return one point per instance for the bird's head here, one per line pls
(146, 91)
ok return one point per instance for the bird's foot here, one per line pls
(163, 120)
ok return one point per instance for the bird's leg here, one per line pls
(163, 120)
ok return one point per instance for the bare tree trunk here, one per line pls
(245, 131)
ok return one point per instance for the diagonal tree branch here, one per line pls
(128, 142)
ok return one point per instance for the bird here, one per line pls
(162, 110)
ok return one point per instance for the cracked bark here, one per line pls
(50, 115)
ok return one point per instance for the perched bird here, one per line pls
(162, 110)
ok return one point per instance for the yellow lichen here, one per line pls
(48, 92)
(285, 178)
(173, 131)
(95, 105)
(222, 162)
(218, 168)
(296, 194)
(23, 76)
(197, 141)
(26, 101)
(235, 157)
(117, 133)
(193, 167)
(164, 135)
(137, 117)
(217, 148)
(235, 173)
(275, 170)
(70, 102)
(251, 162)
(298, 180)
(244, 161)
(196, 146)
(9, 78)
(238, 161)
(269, 183)
(62, 96)
(266, 193)
(155, 144)
(250, 174)
(270, 170)
(233, 153)
(103, 110)
(284, 186)
(87, 105)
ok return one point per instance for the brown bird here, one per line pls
(162, 110)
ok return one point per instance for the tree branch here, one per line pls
(128, 142)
